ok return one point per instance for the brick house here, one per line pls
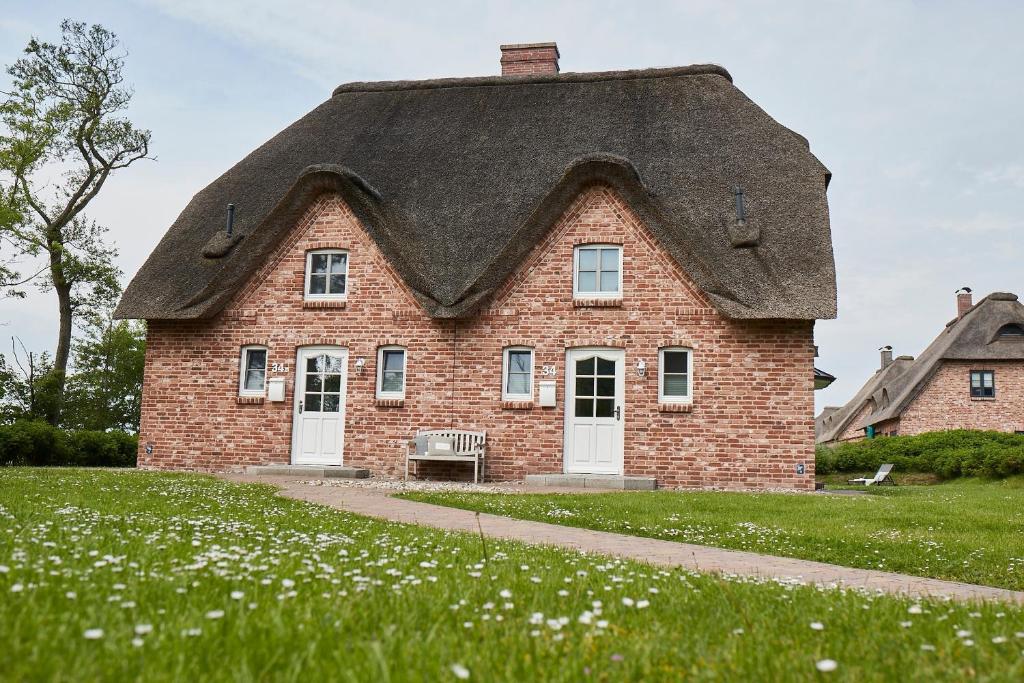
(970, 377)
(608, 272)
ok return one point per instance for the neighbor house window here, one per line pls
(598, 271)
(517, 372)
(326, 274)
(983, 384)
(252, 379)
(675, 370)
(391, 372)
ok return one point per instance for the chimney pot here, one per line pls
(964, 301)
(529, 59)
(886, 356)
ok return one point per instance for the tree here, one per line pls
(27, 390)
(61, 139)
(105, 390)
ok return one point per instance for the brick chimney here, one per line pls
(964, 301)
(529, 59)
(886, 356)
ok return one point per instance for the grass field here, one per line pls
(130, 575)
(965, 530)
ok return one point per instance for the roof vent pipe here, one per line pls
(231, 219)
(964, 301)
(886, 356)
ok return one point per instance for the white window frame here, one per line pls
(505, 367)
(576, 293)
(309, 271)
(662, 398)
(243, 365)
(380, 372)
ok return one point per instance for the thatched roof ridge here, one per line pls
(457, 179)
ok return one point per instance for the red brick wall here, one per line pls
(946, 402)
(752, 416)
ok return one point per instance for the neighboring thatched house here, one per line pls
(970, 377)
(613, 273)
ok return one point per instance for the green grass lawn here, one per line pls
(133, 575)
(966, 530)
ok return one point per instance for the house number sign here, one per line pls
(279, 367)
(547, 370)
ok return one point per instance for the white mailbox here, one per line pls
(547, 394)
(275, 389)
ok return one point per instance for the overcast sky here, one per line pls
(916, 107)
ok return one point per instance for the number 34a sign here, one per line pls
(279, 367)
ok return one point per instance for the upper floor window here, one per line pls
(675, 368)
(517, 383)
(326, 274)
(252, 377)
(391, 372)
(1011, 330)
(597, 271)
(983, 384)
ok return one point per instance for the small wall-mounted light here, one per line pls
(641, 368)
(360, 365)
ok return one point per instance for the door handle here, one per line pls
(618, 412)
(300, 406)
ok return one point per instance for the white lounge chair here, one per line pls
(882, 476)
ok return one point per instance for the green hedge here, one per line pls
(956, 453)
(32, 442)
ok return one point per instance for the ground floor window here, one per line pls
(675, 367)
(391, 372)
(253, 371)
(983, 384)
(518, 374)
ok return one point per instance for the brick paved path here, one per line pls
(378, 503)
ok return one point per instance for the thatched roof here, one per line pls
(973, 336)
(457, 179)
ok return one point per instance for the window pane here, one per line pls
(675, 361)
(312, 403)
(315, 364)
(588, 259)
(318, 263)
(519, 361)
(610, 259)
(676, 385)
(256, 359)
(518, 384)
(337, 284)
(975, 379)
(606, 386)
(587, 282)
(317, 284)
(605, 367)
(392, 381)
(609, 281)
(332, 403)
(585, 366)
(254, 379)
(987, 379)
(338, 263)
(605, 407)
(333, 364)
(314, 383)
(584, 386)
(332, 382)
(393, 360)
(584, 407)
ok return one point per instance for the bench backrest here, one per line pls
(465, 441)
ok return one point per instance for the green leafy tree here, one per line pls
(61, 137)
(27, 387)
(105, 390)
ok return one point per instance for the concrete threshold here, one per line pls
(309, 471)
(593, 481)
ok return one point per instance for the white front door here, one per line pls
(318, 432)
(594, 410)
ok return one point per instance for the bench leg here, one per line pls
(476, 469)
(407, 468)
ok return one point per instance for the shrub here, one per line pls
(34, 442)
(950, 454)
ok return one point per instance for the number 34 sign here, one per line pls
(278, 367)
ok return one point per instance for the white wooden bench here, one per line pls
(466, 446)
